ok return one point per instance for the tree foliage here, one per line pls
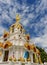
(43, 54)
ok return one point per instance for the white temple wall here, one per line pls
(1, 39)
(31, 56)
(18, 52)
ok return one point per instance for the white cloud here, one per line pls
(46, 50)
(1, 30)
(25, 22)
(31, 16)
(26, 9)
(12, 12)
(41, 40)
(45, 3)
(6, 17)
(42, 6)
(6, 1)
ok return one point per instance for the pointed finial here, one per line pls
(17, 18)
(4, 31)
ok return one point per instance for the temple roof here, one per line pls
(17, 24)
(27, 45)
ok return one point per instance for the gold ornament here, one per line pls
(17, 18)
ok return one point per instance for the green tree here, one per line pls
(43, 54)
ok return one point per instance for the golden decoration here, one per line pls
(7, 44)
(29, 59)
(0, 53)
(37, 51)
(5, 34)
(1, 44)
(17, 18)
(30, 46)
(21, 59)
(27, 36)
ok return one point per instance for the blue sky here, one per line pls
(33, 15)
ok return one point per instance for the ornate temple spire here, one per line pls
(17, 18)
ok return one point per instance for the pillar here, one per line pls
(31, 56)
(36, 58)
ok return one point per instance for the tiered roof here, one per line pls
(28, 46)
